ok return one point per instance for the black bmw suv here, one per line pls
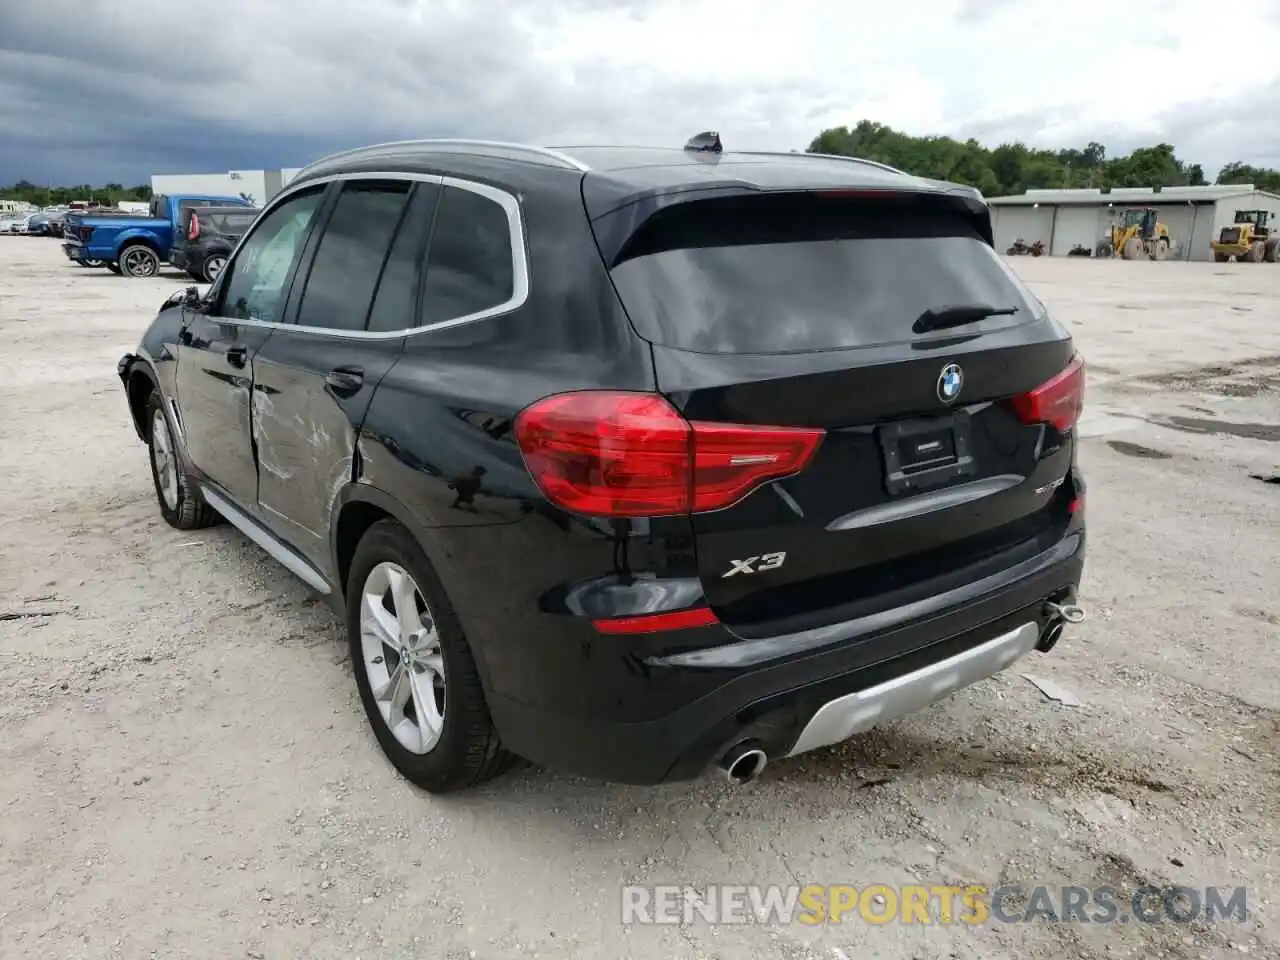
(630, 461)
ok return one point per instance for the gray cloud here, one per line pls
(98, 90)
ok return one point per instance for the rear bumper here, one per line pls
(76, 251)
(789, 705)
(178, 259)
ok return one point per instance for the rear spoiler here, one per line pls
(616, 228)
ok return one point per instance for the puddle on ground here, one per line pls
(1138, 450)
(1274, 478)
(1245, 431)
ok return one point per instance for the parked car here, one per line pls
(630, 461)
(206, 237)
(38, 225)
(130, 245)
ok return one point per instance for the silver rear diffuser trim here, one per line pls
(855, 713)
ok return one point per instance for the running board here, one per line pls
(267, 541)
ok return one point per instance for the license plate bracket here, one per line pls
(923, 453)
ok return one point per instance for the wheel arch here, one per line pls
(141, 382)
(357, 508)
(130, 238)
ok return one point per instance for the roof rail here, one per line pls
(828, 156)
(562, 158)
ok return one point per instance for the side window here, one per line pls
(254, 287)
(469, 266)
(393, 305)
(352, 249)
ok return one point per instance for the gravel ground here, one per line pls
(185, 770)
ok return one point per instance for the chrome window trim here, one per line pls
(515, 223)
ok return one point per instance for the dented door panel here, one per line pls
(311, 392)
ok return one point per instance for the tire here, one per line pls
(1271, 250)
(1160, 249)
(1133, 249)
(212, 267)
(180, 503)
(113, 267)
(139, 261)
(1220, 257)
(1254, 253)
(457, 746)
(1105, 250)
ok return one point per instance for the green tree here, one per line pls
(1011, 168)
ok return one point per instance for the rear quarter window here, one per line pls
(808, 274)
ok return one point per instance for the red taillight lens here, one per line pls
(618, 454)
(1058, 401)
(193, 231)
(658, 622)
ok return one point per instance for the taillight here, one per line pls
(1058, 401)
(616, 454)
(193, 231)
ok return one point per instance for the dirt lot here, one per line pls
(185, 770)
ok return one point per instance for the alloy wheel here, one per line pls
(402, 657)
(165, 459)
(138, 263)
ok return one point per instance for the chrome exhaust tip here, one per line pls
(743, 763)
(1050, 637)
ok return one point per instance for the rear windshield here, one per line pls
(775, 276)
(229, 224)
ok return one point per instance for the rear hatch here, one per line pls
(855, 315)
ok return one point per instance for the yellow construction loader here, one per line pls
(1136, 235)
(1248, 239)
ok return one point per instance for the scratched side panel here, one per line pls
(305, 432)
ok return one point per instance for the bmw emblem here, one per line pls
(950, 381)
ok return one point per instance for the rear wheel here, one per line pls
(414, 669)
(1160, 249)
(139, 261)
(1133, 249)
(1271, 250)
(213, 267)
(1254, 253)
(180, 503)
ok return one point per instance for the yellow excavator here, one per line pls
(1136, 235)
(1248, 239)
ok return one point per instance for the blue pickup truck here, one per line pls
(134, 246)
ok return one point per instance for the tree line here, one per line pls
(1012, 168)
(45, 196)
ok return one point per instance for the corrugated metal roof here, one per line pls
(1127, 195)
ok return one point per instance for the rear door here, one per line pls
(801, 310)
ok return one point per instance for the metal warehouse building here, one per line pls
(1063, 219)
(258, 185)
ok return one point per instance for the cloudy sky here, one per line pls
(103, 90)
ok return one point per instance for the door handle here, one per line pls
(237, 355)
(344, 381)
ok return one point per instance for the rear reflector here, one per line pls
(1058, 401)
(615, 454)
(658, 622)
(1076, 506)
